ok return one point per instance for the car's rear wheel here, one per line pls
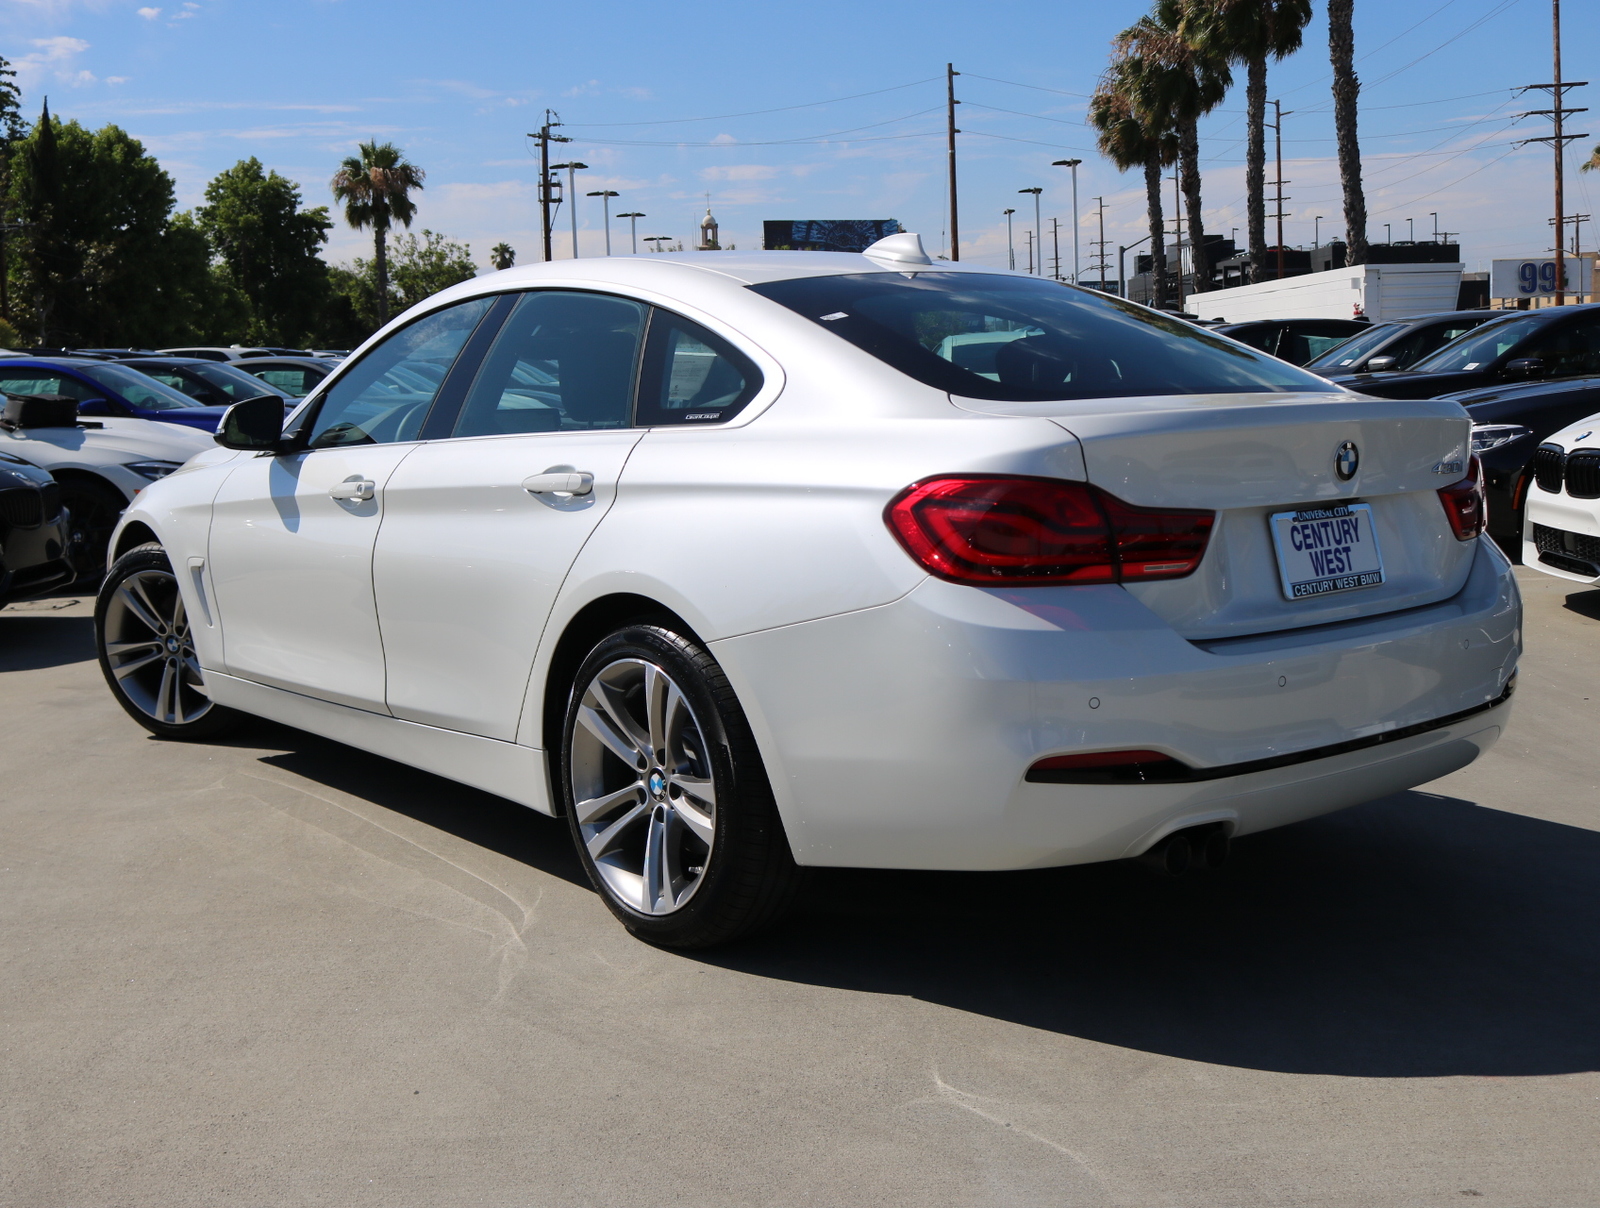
(666, 796)
(146, 649)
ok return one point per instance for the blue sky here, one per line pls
(297, 82)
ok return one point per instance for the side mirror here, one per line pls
(1382, 364)
(255, 425)
(95, 406)
(1525, 367)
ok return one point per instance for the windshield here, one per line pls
(1477, 349)
(1022, 339)
(235, 383)
(137, 389)
(1356, 348)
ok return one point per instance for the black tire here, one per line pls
(700, 747)
(141, 636)
(94, 508)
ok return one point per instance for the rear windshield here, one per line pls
(137, 388)
(1023, 339)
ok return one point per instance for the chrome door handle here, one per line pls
(359, 489)
(559, 482)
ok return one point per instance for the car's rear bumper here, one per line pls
(900, 736)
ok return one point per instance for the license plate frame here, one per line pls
(1327, 562)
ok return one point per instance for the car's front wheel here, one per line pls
(666, 795)
(147, 651)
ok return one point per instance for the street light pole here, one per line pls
(1038, 225)
(658, 240)
(607, 194)
(1122, 264)
(1316, 229)
(633, 228)
(1073, 164)
(572, 197)
(1011, 251)
(1434, 215)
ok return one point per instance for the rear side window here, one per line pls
(42, 381)
(1051, 341)
(296, 380)
(564, 361)
(692, 376)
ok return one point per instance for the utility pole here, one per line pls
(1011, 250)
(547, 186)
(607, 194)
(633, 228)
(1073, 164)
(1038, 226)
(950, 74)
(1277, 131)
(1055, 247)
(1177, 235)
(1100, 245)
(1557, 140)
(1028, 235)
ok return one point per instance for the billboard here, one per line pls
(1535, 276)
(826, 234)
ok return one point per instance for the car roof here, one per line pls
(315, 362)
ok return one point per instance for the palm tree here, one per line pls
(1129, 140)
(1592, 163)
(1181, 75)
(1254, 31)
(1346, 87)
(502, 256)
(375, 189)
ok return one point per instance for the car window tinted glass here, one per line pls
(564, 361)
(137, 388)
(692, 376)
(385, 396)
(1355, 349)
(1258, 335)
(1478, 349)
(234, 383)
(1055, 341)
(1302, 346)
(296, 380)
(174, 379)
(42, 381)
(1568, 348)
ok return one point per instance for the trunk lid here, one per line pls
(1248, 456)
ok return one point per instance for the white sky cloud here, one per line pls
(149, 14)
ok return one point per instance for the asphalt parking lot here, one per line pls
(278, 971)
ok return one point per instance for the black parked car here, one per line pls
(1294, 340)
(1398, 343)
(34, 531)
(1508, 425)
(1520, 346)
(211, 383)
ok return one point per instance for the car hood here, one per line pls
(1585, 434)
(113, 442)
(1525, 391)
(204, 418)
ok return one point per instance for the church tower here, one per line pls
(708, 234)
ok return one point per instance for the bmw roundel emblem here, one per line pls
(1346, 460)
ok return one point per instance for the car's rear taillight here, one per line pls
(1464, 503)
(987, 529)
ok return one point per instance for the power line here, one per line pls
(718, 117)
(768, 142)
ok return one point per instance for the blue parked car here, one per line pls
(106, 388)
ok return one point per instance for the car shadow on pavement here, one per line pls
(1414, 936)
(491, 822)
(34, 641)
(1585, 603)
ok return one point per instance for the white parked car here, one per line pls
(1561, 533)
(102, 464)
(716, 556)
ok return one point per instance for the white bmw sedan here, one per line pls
(749, 562)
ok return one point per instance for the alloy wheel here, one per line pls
(150, 651)
(643, 792)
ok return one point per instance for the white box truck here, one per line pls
(1378, 291)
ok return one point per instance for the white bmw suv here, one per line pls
(743, 564)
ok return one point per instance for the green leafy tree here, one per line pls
(94, 211)
(12, 130)
(422, 267)
(502, 256)
(375, 188)
(269, 244)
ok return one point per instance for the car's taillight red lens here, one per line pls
(981, 529)
(1464, 503)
